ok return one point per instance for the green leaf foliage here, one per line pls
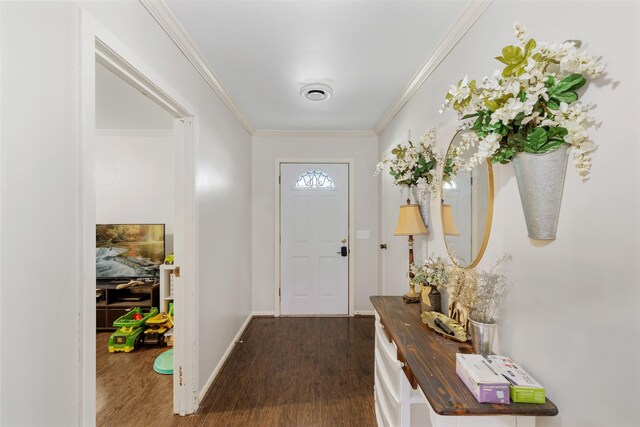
(570, 82)
(536, 140)
(563, 90)
(541, 141)
(503, 155)
(515, 59)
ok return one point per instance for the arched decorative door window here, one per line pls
(314, 180)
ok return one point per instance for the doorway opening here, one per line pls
(314, 237)
(102, 52)
(135, 216)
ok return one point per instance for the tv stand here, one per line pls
(117, 302)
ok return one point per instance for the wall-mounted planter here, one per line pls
(422, 204)
(540, 182)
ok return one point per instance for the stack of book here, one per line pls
(497, 379)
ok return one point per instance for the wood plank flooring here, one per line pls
(128, 390)
(285, 372)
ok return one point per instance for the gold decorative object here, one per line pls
(459, 313)
(428, 318)
(429, 299)
(410, 224)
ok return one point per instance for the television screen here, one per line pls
(125, 251)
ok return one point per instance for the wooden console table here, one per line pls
(415, 376)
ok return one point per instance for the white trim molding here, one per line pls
(263, 314)
(469, 15)
(159, 133)
(169, 23)
(224, 358)
(313, 133)
(98, 44)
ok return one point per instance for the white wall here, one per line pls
(40, 202)
(120, 106)
(135, 177)
(572, 316)
(363, 150)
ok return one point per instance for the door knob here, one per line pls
(343, 251)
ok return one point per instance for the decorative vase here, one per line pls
(482, 336)
(540, 180)
(430, 299)
(423, 204)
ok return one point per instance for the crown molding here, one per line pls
(313, 133)
(165, 18)
(469, 15)
(135, 132)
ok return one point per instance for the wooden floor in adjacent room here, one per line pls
(128, 390)
(284, 372)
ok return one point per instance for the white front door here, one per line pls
(314, 226)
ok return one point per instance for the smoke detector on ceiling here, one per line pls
(316, 92)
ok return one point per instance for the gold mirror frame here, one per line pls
(487, 229)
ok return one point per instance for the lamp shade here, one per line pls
(410, 222)
(448, 224)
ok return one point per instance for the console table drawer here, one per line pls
(380, 419)
(390, 373)
(383, 343)
(390, 410)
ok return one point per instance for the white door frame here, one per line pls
(352, 252)
(99, 44)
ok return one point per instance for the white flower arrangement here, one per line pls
(414, 165)
(433, 272)
(530, 106)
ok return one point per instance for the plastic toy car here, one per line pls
(129, 335)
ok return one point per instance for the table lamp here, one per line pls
(410, 224)
(448, 224)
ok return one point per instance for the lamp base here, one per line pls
(411, 296)
(410, 300)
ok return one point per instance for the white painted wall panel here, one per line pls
(135, 177)
(40, 202)
(569, 297)
(40, 207)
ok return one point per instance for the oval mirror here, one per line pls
(467, 206)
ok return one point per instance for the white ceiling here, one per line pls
(120, 106)
(263, 52)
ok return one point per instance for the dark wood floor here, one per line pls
(285, 372)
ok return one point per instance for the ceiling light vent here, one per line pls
(316, 92)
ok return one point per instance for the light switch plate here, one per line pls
(362, 234)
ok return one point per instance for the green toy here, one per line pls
(131, 326)
(164, 363)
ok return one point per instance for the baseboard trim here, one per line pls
(224, 358)
(263, 313)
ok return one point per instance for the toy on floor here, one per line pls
(156, 328)
(164, 363)
(129, 334)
